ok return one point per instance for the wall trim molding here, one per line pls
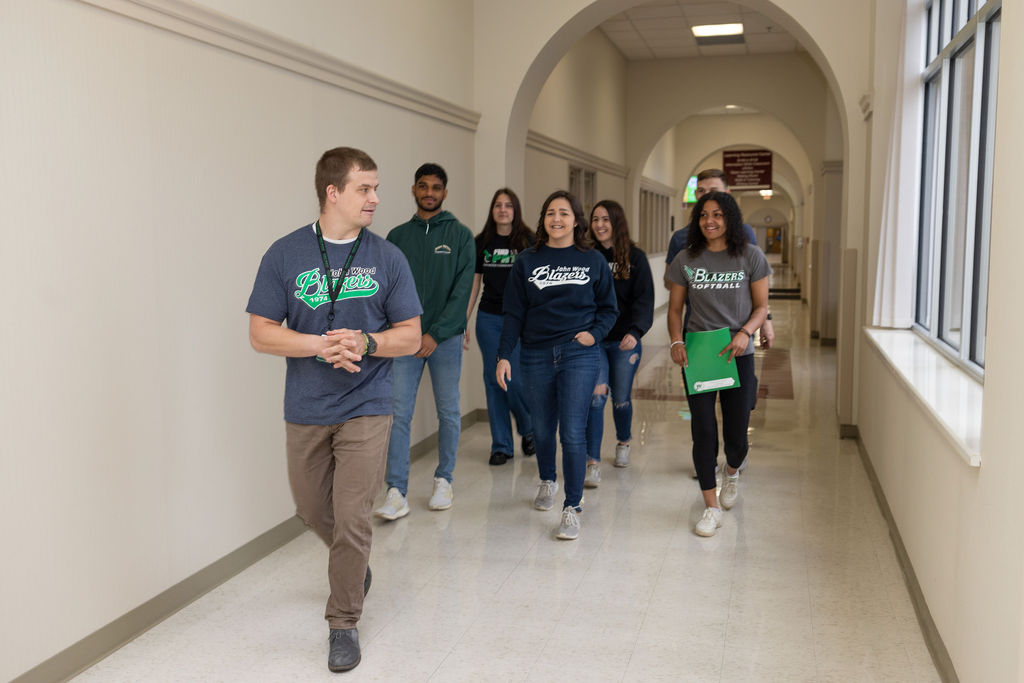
(543, 143)
(932, 638)
(98, 644)
(652, 185)
(206, 26)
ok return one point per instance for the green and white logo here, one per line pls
(312, 286)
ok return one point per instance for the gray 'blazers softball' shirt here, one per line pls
(718, 287)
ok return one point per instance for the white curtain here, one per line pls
(897, 245)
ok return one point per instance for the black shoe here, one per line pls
(367, 581)
(344, 653)
(499, 458)
(529, 447)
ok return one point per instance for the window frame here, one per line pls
(941, 193)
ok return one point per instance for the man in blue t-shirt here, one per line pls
(713, 180)
(350, 302)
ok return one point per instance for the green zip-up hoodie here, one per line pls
(441, 253)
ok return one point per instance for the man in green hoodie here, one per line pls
(440, 251)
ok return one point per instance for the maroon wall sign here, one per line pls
(748, 169)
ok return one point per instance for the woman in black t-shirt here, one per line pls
(503, 237)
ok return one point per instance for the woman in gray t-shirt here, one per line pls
(724, 279)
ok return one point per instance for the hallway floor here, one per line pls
(801, 583)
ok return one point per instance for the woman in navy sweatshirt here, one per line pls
(621, 348)
(559, 301)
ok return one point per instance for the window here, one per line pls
(959, 88)
(655, 220)
(583, 184)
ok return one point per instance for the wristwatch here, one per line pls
(768, 317)
(371, 345)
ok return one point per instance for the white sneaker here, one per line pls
(743, 465)
(622, 455)
(593, 476)
(709, 522)
(545, 499)
(730, 490)
(443, 494)
(569, 529)
(395, 506)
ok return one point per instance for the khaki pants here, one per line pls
(335, 472)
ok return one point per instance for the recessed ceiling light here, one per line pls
(732, 106)
(708, 30)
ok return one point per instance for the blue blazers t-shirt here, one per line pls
(379, 290)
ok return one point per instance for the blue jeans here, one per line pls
(618, 368)
(488, 333)
(445, 365)
(559, 382)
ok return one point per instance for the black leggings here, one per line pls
(736, 405)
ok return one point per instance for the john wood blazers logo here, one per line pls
(312, 286)
(546, 276)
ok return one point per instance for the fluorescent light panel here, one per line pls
(709, 30)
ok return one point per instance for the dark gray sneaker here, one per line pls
(344, 649)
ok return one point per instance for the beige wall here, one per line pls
(960, 525)
(425, 45)
(143, 175)
(582, 104)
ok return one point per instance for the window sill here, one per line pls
(951, 396)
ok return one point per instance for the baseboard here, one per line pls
(932, 637)
(94, 647)
(429, 444)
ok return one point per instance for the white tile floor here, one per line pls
(800, 584)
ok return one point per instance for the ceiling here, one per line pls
(661, 30)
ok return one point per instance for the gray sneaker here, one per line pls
(395, 506)
(545, 499)
(730, 491)
(443, 494)
(622, 455)
(593, 476)
(569, 529)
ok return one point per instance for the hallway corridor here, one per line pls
(801, 583)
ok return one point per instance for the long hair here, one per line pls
(621, 241)
(735, 238)
(581, 229)
(521, 236)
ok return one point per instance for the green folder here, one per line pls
(706, 370)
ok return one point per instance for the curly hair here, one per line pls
(621, 241)
(581, 229)
(735, 238)
(520, 238)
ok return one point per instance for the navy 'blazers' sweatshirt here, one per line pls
(554, 293)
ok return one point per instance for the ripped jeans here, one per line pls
(618, 368)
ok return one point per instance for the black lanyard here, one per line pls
(334, 290)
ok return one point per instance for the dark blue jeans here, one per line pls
(618, 368)
(559, 382)
(488, 333)
(736, 405)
